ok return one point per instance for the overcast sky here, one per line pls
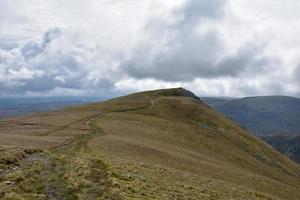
(113, 47)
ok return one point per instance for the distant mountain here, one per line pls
(215, 101)
(276, 119)
(287, 144)
(15, 106)
(264, 115)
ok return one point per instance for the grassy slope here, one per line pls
(154, 145)
(181, 134)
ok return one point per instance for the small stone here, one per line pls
(142, 178)
(115, 184)
(132, 190)
(8, 183)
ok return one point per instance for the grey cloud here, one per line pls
(195, 10)
(244, 63)
(47, 83)
(248, 90)
(196, 62)
(297, 74)
(272, 87)
(7, 44)
(36, 71)
(296, 79)
(50, 35)
(33, 48)
(183, 43)
(179, 63)
(192, 54)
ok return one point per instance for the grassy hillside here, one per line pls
(263, 115)
(163, 144)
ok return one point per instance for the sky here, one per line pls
(112, 47)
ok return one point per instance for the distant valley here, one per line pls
(15, 106)
(276, 119)
(287, 144)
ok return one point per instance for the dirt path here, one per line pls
(88, 118)
(64, 172)
(50, 174)
(57, 187)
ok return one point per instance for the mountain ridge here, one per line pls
(273, 118)
(162, 144)
(263, 115)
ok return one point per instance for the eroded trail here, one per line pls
(72, 171)
(67, 172)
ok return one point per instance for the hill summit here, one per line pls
(160, 144)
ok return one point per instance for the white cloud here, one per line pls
(213, 47)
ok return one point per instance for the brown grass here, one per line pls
(163, 144)
(181, 134)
